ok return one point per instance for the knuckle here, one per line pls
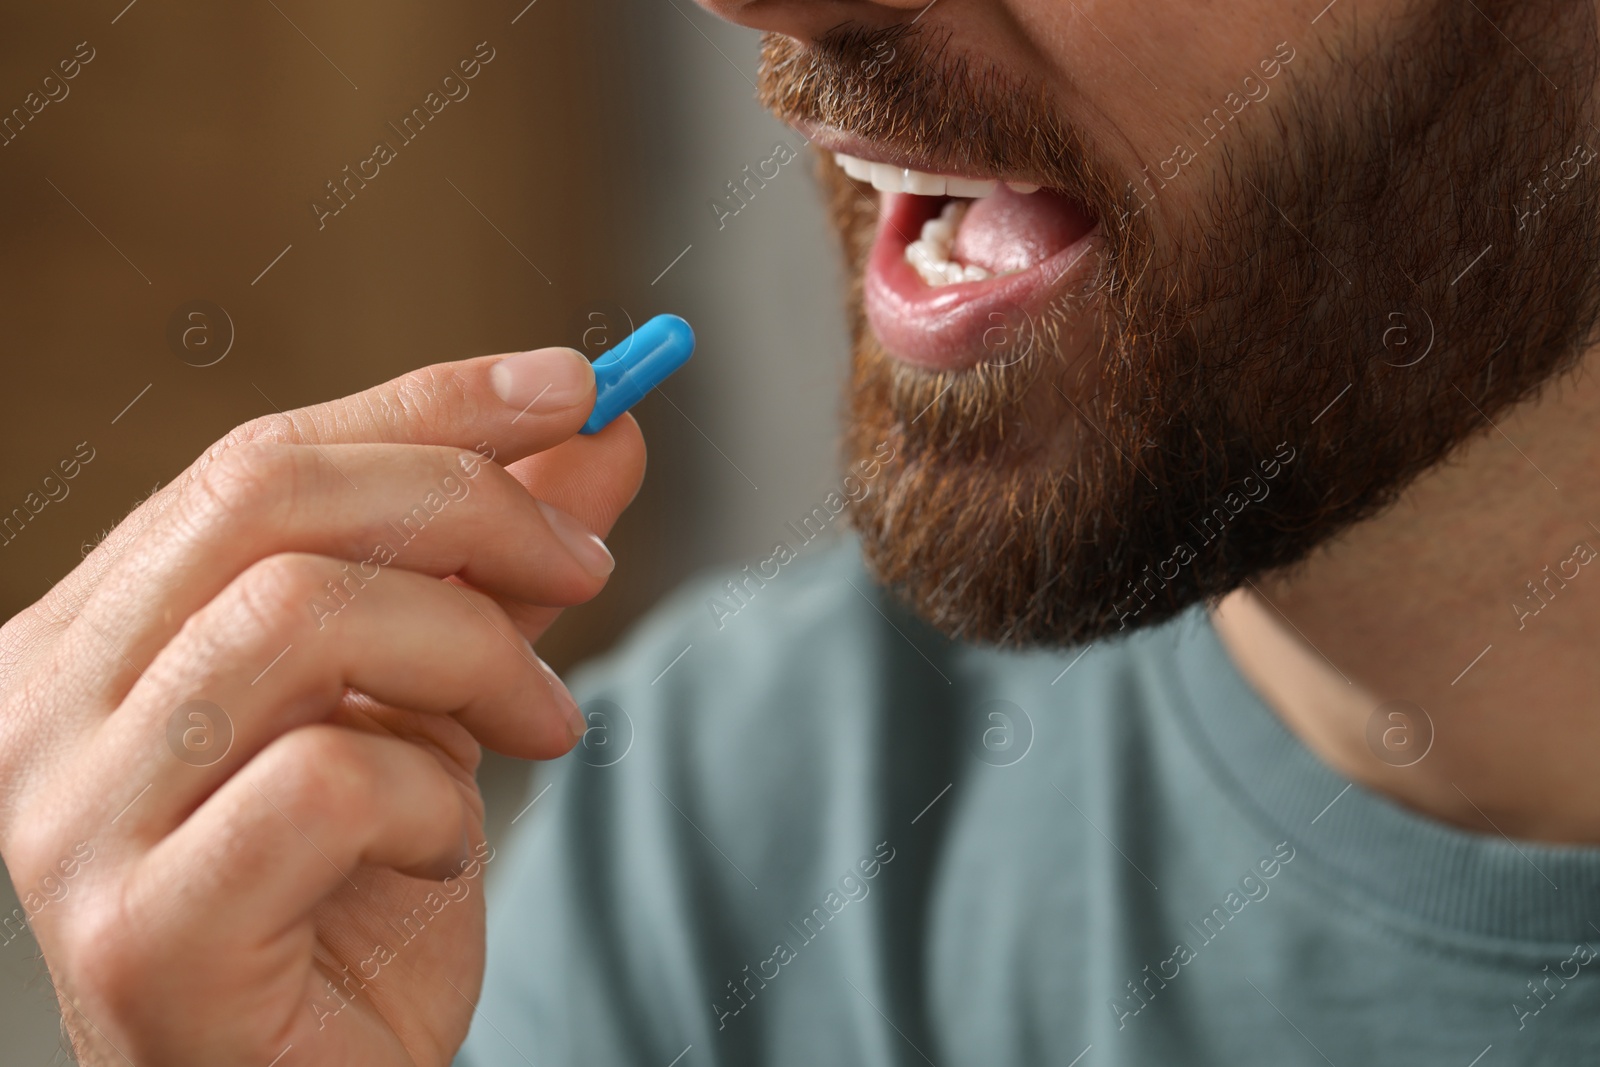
(318, 771)
(277, 428)
(245, 480)
(448, 806)
(439, 806)
(433, 782)
(30, 847)
(266, 608)
(17, 639)
(417, 396)
(101, 951)
(45, 847)
(273, 594)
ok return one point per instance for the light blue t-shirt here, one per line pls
(812, 831)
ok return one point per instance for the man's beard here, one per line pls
(1257, 386)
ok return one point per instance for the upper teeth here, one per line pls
(905, 180)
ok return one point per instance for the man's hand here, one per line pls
(237, 743)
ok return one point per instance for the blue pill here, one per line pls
(639, 363)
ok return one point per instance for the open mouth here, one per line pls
(961, 263)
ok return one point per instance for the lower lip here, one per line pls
(950, 327)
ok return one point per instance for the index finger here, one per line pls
(506, 407)
(516, 404)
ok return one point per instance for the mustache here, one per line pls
(912, 91)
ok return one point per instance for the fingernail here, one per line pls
(558, 688)
(552, 378)
(589, 549)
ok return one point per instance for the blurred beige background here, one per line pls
(575, 179)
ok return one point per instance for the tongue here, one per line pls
(1008, 231)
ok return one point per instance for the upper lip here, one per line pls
(836, 140)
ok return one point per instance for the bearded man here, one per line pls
(1210, 679)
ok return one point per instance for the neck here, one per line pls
(1476, 599)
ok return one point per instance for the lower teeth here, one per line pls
(929, 255)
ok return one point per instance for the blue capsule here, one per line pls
(639, 363)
